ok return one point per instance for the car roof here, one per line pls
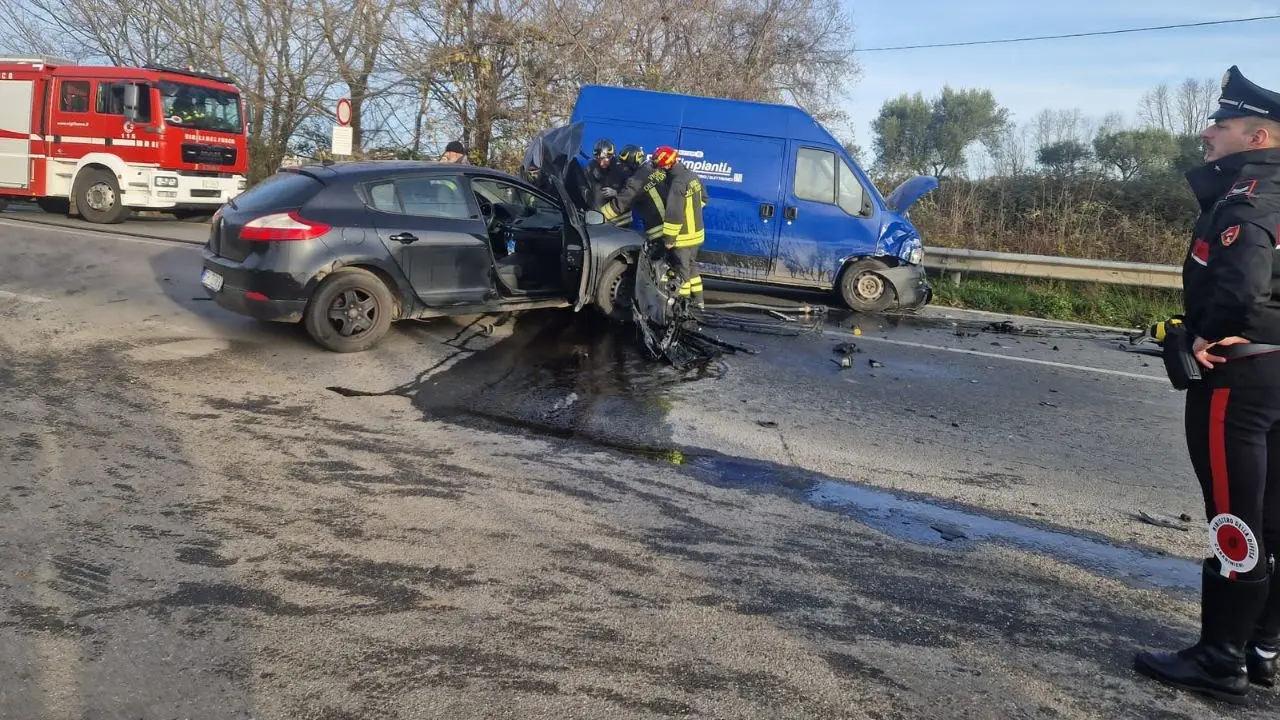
(360, 169)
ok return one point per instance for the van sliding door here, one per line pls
(743, 177)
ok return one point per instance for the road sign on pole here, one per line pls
(342, 140)
(344, 112)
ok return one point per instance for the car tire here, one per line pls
(864, 289)
(616, 290)
(345, 331)
(100, 186)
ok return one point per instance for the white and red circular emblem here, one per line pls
(1233, 543)
(128, 126)
(344, 112)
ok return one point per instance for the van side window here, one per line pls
(111, 100)
(852, 195)
(74, 96)
(816, 175)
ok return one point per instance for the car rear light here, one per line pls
(282, 227)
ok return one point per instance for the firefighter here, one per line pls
(682, 228)
(607, 176)
(645, 191)
(1231, 288)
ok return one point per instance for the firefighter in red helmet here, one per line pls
(682, 228)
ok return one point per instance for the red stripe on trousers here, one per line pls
(1218, 455)
(1218, 450)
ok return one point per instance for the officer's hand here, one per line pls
(609, 192)
(1201, 347)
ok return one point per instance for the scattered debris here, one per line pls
(875, 363)
(767, 423)
(1046, 403)
(1161, 522)
(1184, 517)
(1055, 349)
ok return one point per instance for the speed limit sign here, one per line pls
(344, 112)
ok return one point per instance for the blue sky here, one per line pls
(1098, 75)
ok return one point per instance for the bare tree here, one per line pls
(131, 33)
(356, 33)
(1194, 101)
(1155, 109)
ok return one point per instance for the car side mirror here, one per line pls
(131, 98)
(594, 217)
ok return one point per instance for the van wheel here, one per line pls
(864, 289)
(350, 311)
(617, 290)
(98, 197)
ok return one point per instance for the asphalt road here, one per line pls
(209, 517)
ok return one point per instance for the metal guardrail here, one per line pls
(953, 260)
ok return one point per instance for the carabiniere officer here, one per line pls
(1231, 296)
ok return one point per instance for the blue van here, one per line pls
(788, 205)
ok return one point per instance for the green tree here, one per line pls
(931, 136)
(1135, 152)
(1064, 157)
(902, 136)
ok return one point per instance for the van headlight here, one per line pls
(916, 256)
(166, 181)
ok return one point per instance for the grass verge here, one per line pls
(1096, 303)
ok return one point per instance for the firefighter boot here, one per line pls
(1263, 648)
(1214, 666)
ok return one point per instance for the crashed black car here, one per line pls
(348, 248)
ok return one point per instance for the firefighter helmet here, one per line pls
(603, 148)
(664, 157)
(632, 156)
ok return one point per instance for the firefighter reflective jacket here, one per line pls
(685, 199)
(645, 190)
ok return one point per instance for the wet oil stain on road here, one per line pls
(578, 378)
(567, 375)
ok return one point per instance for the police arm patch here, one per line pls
(1243, 188)
(1229, 235)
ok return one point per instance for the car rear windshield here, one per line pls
(280, 191)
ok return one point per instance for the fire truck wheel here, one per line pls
(98, 197)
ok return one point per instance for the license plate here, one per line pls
(211, 280)
(209, 184)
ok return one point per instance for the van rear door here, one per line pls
(743, 176)
(827, 216)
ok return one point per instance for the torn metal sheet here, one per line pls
(672, 329)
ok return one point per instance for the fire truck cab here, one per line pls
(101, 141)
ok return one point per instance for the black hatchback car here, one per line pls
(347, 248)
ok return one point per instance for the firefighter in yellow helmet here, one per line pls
(645, 190)
(682, 228)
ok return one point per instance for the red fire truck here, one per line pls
(101, 141)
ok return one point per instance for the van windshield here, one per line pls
(200, 108)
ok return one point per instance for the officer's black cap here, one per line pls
(455, 147)
(1243, 98)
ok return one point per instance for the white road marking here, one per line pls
(845, 335)
(6, 295)
(97, 234)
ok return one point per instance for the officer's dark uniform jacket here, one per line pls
(646, 191)
(1231, 276)
(685, 200)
